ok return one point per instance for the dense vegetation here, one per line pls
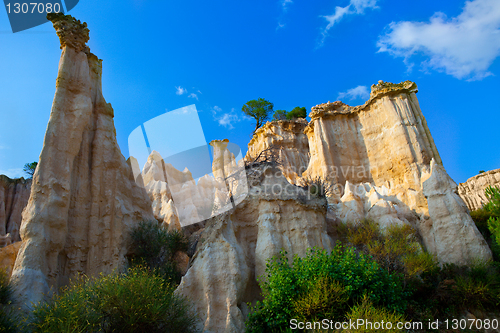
(139, 300)
(372, 275)
(297, 112)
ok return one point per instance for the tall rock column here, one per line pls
(84, 200)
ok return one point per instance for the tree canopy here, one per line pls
(30, 168)
(297, 112)
(259, 109)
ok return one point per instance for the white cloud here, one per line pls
(464, 46)
(354, 7)
(285, 3)
(180, 91)
(193, 95)
(225, 119)
(360, 92)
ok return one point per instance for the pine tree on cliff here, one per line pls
(259, 109)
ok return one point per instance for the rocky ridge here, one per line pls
(472, 191)
(14, 195)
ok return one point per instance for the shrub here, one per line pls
(140, 301)
(279, 115)
(397, 250)
(155, 247)
(9, 320)
(297, 112)
(317, 187)
(288, 286)
(365, 310)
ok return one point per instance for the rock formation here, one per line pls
(276, 215)
(472, 191)
(14, 195)
(84, 200)
(8, 255)
(289, 143)
(378, 161)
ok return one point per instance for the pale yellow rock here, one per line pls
(472, 191)
(236, 245)
(289, 143)
(14, 195)
(454, 235)
(84, 201)
(8, 256)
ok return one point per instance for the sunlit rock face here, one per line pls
(14, 195)
(286, 141)
(234, 247)
(453, 236)
(84, 200)
(472, 191)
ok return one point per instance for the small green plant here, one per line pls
(370, 314)
(279, 115)
(481, 171)
(155, 247)
(9, 320)
(139, 301)
(493, 206)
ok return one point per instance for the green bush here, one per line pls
(9, 320)
(365, 310)
(297, 112)
(155, 247)
(398, 250)
(139, 301)
(287, 286)
(279, 115)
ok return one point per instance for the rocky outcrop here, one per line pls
(234, 247)
(287, 141)
(452, 235)
(14, 195)
(84, 200)
(472, 191)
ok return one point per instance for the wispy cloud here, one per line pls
(180, 91)
(464, 46)
(360, 92)
(284, 8)
(354, 7)
(226, 119)
(193, 95)
(13, 173)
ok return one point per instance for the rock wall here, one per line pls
(14, 195)
(234, 247)
(289, 144)
(472, 191)
(84, 200)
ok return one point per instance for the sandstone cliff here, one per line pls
(14, 195)
(472, 191)
(235, 246)
(84, 200)
(287, 141)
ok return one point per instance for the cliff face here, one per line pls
(287, 141)
(84, 200)
(234, 247)
(472, 191)
(14, 195)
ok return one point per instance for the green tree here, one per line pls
(30, 168)
(279, 115)
(297, 112)
(259, 109)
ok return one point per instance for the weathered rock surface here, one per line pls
(8, 255)
(84, 200)
(472, 191)
(453, 236)
(289, 143)
(14, 195)
(235, 246)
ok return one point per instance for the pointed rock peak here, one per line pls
(71, 32)
(154, 157)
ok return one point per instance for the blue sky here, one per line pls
(164, 55)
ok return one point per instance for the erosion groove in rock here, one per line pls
(472, 191)
(14, 195)
(84, 200)
(236, 245)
